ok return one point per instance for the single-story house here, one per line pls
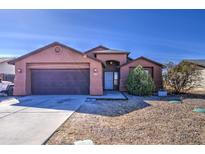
(59, 69)
(7, 71)
(201, 67)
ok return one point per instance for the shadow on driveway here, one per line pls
(68, 103)
(57, 103)
(112, 108)
(100, 107)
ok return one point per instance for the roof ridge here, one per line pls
(99, 46)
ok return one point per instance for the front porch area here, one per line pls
(109, 95)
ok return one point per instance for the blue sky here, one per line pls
(162, 35)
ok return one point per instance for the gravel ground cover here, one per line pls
(136, 121)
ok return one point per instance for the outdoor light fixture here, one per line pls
(19, 70)
(111, 63)
(95, 70)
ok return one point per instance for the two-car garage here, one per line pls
(57, 69)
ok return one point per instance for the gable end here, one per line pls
(46, 47)
(159, 64)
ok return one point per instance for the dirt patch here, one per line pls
(136, 121)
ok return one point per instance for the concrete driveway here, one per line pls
(33, 119)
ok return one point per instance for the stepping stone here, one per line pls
(199, 110)
(175, 102)
(84, 142)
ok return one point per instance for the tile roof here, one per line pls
(99, 46)
(200, 62)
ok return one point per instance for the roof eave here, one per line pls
(200, 65)
(99, 46)
(11, 62)
(159, 64)
(112, 53)
(48, 46)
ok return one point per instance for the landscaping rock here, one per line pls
(136, 121)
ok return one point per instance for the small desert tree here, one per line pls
(182, 77)
(167, 67)
(139, 82)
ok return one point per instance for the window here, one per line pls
(116, 76)
(147, 71)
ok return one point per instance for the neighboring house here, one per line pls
(59, 69)
(201, 66)
(7, 71)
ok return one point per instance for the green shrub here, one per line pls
(139, 82)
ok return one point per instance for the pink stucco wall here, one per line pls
(49, 59)
(157, 72)
(122, 58)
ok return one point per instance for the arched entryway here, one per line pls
(111, 75)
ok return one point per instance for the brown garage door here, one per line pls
(60, 82)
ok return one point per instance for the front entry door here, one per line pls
(108, 80)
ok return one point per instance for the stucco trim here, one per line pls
(58, 65)
(46, 47)
(159, 64)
